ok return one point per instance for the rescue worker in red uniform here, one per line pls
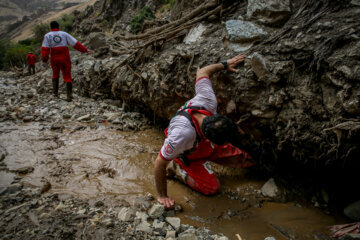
(31, 60)
(56, 44)
(198, 135)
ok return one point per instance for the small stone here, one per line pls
(158, 225)
(142, 216)
(187, 236)
(57, 126)
(156, 210)
(60, 207)
(222, 238)
(174, 222)
(270, 189)
(28, 118)
(270, 238)
(126, 214)
(86, 117)
(44, 215)
(144, 227)
(170, 234)
(81, 211)
(108, 222)
(66, 116)
(99, 203)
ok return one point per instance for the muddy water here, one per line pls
(92, 161)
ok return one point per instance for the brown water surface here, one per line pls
(91, 161)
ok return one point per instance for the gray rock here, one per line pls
(174, 222)
(142, 216)
(144, 227)
(273, 12)
(221, 238)
(108, 222)
(96, 40)
(156, 210)
(258, 66)
(28, 118)
(126, 214)
(194, 34)
(187, 236)
(270, 238)
(270, 189)
(158, 225)
(353, 211)
(230, 107)
(86, 117)
(170, 234)
(242, 31)
(57, 126)
(142, 203)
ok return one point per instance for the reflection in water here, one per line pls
(97, 162)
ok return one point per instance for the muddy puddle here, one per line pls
(95, 161)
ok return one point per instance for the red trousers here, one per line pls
(62, 64)
(200, 177)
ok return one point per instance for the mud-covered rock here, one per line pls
(272, 12)
(353, 211)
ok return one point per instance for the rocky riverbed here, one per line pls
(36, 174)
(83, 170)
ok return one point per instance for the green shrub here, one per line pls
(66, 22)
(39, 30)
(137, 21)
(15, 55)
(4, 45)
(170, 3)
(26, 42)
(104, 23)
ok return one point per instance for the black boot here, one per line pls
(69, 91)
(55, 82)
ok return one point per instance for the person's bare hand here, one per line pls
(89, 51)
(233, 62)
(168, 202)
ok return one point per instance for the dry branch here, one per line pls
(191, 15)
(133, 72)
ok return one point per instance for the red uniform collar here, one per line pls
(55, 29)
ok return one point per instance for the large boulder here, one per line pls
(272, 12)
(242, 34)
(243, 31)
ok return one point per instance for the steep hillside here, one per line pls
(18, 15)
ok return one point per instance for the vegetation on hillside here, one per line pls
(13, 55)
(137, 21)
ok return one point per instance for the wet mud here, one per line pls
(93, 161)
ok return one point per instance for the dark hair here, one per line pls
(219, 129)
(54, 24)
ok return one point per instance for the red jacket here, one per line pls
(31, 59)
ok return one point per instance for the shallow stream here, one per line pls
(95, 161)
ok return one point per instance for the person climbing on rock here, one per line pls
(198, 135)
(56, 44)
(31, 60)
